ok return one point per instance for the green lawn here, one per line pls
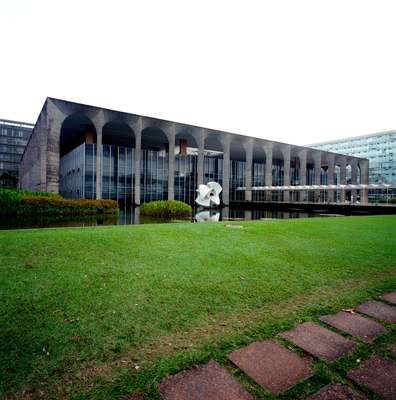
(97, 312)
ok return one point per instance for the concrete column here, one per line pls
(343, 164)
(226, 169)
(330, 176)
(268, 170)
(317, 168)
(302, 156)
(50, 171)
(171, 163)
(286, 172)
(201, 150)
(364, 180)
(136, 215)
(354, 167)
(47, 176)
(248, 170)
(99, 159)
(138, 153)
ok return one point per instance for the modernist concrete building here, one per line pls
(83, 151)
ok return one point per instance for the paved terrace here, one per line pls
(278, 365)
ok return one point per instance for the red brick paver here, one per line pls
(209, 382)
(337, 392)
(377, 374)
(378, 310)
(278, 369)
(390, 297)
(271, 365)
(319, 342)
(356, 325)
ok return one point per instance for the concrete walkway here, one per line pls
(277, 368)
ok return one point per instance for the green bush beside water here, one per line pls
(23, 202)
(166, 209)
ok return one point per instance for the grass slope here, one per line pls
(87, 306)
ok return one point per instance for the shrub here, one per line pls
(26, 193)
(52, 205)
(166, 209)
(25, 202)
(9, 200)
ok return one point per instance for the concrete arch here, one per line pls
(259, 154)
(277, 165)
(238, 149)
(259, 159)
(185, 180)
(277, 171)
(184, 141)
(75, 129)
(295, 168)
(337, 174)
(214, 142)
(310, 177)
(239, 167)
(277, 153)
(155, 175)
(154, 138)
(118, 133)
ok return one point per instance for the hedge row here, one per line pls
(166, 209)
(22, 202)
(47, 205)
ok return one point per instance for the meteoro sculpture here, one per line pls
(209, 194)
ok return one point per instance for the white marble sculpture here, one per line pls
(209, 194)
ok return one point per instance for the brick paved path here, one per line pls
(277, 369)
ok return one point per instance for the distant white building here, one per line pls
(379, 149)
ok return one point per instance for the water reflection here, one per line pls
(207, 216)
(235, 214)
(131, 215)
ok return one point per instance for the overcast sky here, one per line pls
(292, 71)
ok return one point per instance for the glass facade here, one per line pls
(117, 172)
(14, 137)
(258, 179)
(379, 149)
(213, 168)
(277, 179)
(186, 178)
(237, 179)
(153, 175)
(77, 173)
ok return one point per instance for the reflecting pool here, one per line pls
(130, 216)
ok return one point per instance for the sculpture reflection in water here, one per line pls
(207, 216)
